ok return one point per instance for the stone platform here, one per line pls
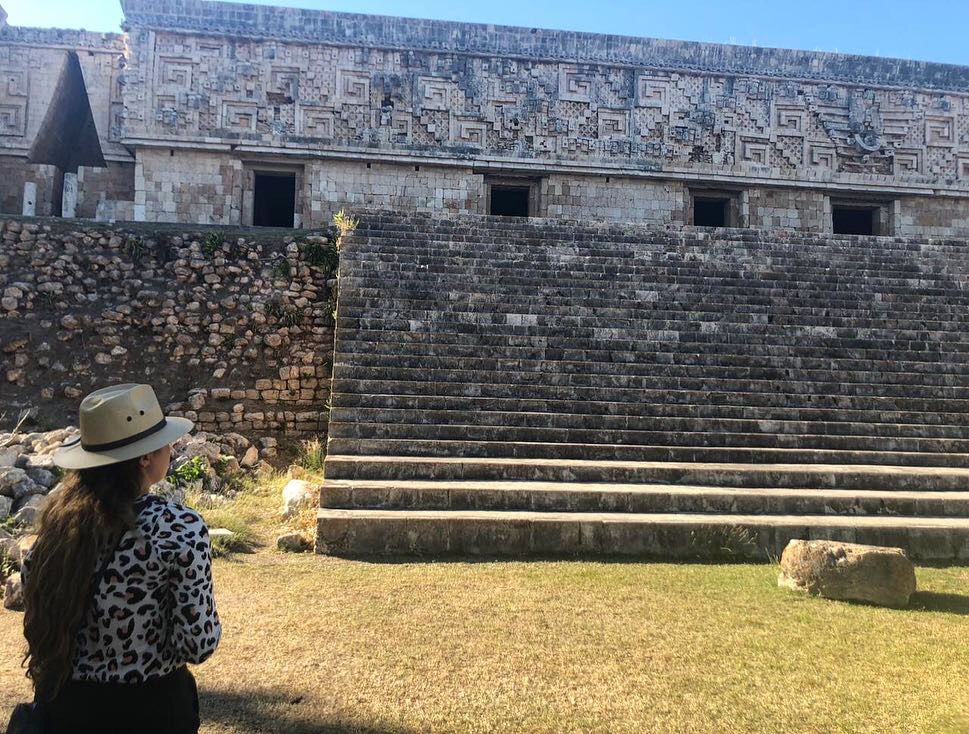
(519, 387)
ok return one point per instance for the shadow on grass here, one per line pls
(273, 711)
(936, 601)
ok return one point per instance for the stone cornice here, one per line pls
(62, 38)
(376, 31)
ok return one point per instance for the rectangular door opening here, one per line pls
(710, 212)
(274, 200)
(855, 219)
(509, 201)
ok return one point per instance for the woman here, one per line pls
(118, 586)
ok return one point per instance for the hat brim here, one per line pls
(75, 456)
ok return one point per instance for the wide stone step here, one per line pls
(648, 294)
(836, 275)
(613, 452)
(753, 370)
(751, 397)
(700, 408)
(518, 416)
(487, 240)
(658, 437)
(688, 472)
(650, 318)
(753, 345)
(792, 387)
(669, 536)
(632, 304)
(571, 284)
(665, 331)
(656, 354)
(636, 498)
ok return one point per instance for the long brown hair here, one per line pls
(92, 509)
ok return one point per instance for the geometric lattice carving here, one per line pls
(316, 122)
(175, 72)
(652, 92)
(13, 118)
(353, 87)
(469, 132)
(434, 94)
(822, 156)
(940, 131)
(240, 116)
(613, 123)
(574, 86)
(908, 161)
(753, 150)
(962, 167)
(788, 120)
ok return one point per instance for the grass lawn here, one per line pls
(319, 644)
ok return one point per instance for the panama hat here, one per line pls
(118, 423)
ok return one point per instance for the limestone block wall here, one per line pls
(615, 199)
(334, 184)
(803, 210)
(178, 185)
(16, 171)
(931, 217)
(102, 189)
(233, 329)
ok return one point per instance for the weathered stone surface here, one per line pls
(13, 593)
(132, 286)
(296, 494)
(847, 571)
(10, 551)
(293, 543)
(27, 510)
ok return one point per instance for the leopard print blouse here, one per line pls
(154, 609)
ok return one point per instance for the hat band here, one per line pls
(124, 441)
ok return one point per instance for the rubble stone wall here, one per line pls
(234, 329)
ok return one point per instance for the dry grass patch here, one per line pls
(318, 644)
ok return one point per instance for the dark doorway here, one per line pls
(708, 212)
(509, 201)
(854, 220)
(274, 200)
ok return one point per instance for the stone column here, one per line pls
(69, 200)
(30, 199)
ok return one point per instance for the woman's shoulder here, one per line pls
(170, 520)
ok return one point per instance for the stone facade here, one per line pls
(31, 64)
(233, 330)
(429, 115)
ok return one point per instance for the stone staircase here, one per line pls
(536, 387)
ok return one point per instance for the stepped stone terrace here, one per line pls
(608, 295)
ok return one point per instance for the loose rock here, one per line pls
(848, 571)
(13, 593)
(293, 543)
(296, 494)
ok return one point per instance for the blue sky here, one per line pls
(932, 30)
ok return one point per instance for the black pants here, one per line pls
(167, 705)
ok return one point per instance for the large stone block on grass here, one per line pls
(848, 572)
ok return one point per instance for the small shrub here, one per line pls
(311, 454)
(135, 247)
(323, 256)
(274, 310)
(213, 243)
(194, 470)
(282, 269)
(345, 224)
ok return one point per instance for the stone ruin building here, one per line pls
(608, 295)
(217, 113)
